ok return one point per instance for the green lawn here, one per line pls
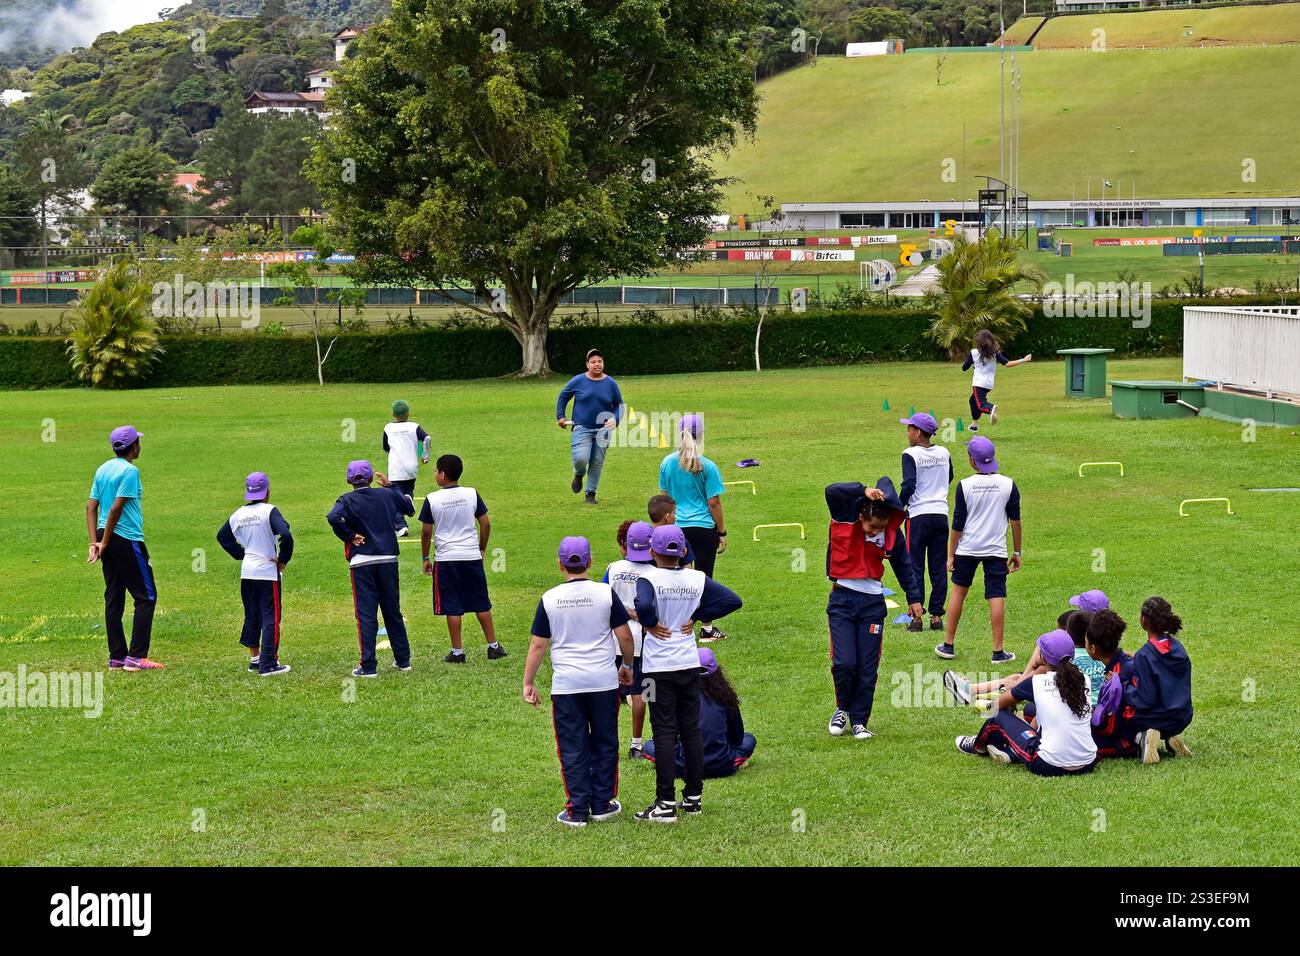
(1179, 123)
(1224, 26)
(421, 766)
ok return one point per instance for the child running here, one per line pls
(985, 358)
(1062, 744)
(634, 542)
(250, 537)
(866, 527)
(455, 521)
(407, 445)
(987, 503)
(927, 473)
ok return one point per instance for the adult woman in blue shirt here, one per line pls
(695, 483)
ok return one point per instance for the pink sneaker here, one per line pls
(141, 664)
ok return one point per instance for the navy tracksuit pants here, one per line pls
(857, 623)
(261, 620)
(375, 588)
(126, 569)
(407, 487)
(1019, 741)
(927, 545)
(979, 402)
(586, 739)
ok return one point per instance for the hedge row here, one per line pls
(835, 338)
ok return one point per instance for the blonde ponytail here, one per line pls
(688, 453)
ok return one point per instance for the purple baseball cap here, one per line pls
(123, 437)
(983, 454)
(256, 485)
(923, 421)
(638, 540)
(1092, 601)
(360, 472)
(575, 553)
(667, 539)
(1056, 646)
(708, 661)
(693, 424)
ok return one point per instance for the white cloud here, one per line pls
(77, 23)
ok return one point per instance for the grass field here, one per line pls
(1177, 123)
(1223, 26)
(421, 766)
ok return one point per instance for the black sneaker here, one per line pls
(915, 626)
(454, 658)
(277, 669)
(576, 484)
(635, 751)
(936, 625)
(945, 651)
(496, 653)
(590, 499)
(967, 746)
(972, 428)
(1002, 657)
(710, 634)
(404, 668)
(614, 809)
(659, 812)
(569, 820)
(358, 672)
(839, 720)
(691, 805)
(254, 665)
(860, 732)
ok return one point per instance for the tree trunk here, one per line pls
(533, 344)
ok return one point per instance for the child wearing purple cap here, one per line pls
(1062, 744)
(258, 537)
(633, 539)
(727, 747)
(927, 473)
(584, 624)
(115, 524)
(987, 503)
(669, 600)
(985, 358)
(365, 520)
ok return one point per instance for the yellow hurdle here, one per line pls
(785, 524)
(753, 490)
(1182, 508)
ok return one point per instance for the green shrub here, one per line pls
(114, 342)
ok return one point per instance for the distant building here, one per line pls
(190, 182)
(320, 80)
(10, 97)
(342, 39)
(311, 102)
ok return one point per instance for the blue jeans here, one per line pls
(589, 446)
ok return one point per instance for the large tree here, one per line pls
(534, 145)
(137, 181)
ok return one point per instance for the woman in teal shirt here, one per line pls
(695, 483)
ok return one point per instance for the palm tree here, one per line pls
(114, 340)
(976, 290)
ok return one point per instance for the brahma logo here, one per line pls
(75, 909)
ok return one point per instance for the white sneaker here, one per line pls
(839, 720)
(993, 416)
(1148, 742)
(999, 756)
(958, 686)
(860, 732)
(403, 532)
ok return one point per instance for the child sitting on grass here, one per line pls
(1062, 744)
(1160, 692)
(1074, 623)
(1111, 730)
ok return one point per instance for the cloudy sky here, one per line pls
(64, 28)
